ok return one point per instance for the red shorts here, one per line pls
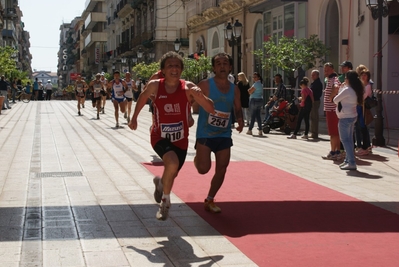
(332, 123)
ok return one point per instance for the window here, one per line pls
(215, 41)
(289, 20)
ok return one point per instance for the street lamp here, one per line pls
(151, 55)
(140, 53)
(177, 44)
(134, 60)
(232, 33)
(379, 9)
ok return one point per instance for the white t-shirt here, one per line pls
(348, 99)
(48, 86)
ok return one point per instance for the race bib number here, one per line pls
(172, 131)
(79, 89)
(129, 87)
(219, 119)
(119, 93)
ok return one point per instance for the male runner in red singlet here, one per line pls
(169, 132)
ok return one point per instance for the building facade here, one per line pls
(14, 35)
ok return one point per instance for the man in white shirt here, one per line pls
(49, 90)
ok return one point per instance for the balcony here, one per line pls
(9, 33)
(93, 18)
(125, 8)
(95, 37)
(123, 47)
(91, 4)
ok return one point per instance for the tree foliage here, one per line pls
(290, 53)
(144, 71)
(196, 69)
(7, 62)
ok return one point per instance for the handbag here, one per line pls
(370, 102)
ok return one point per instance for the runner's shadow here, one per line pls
(375, 157)
(363, 175)
(178, 251)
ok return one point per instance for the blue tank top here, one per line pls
(218, 124)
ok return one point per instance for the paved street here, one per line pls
(74, 191)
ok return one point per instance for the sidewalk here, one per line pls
(73, 191)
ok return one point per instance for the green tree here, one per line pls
(7, 62)
(290, 53)
(144, 71)
(196, 69)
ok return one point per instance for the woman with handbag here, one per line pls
(363, 119)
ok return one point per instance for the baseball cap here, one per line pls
(347, 64)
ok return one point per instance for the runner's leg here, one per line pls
(116, 108)
(202, 159)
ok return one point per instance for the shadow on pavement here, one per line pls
(176, 245)
(363, 175)
(238, 219)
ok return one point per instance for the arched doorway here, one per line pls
(215, 44)
(332, 32)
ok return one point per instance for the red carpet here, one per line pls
(279, 219)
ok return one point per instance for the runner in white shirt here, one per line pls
(97, 89)
(131, 86)
(118, 89)
(80, 91)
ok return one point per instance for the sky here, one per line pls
(42, 19)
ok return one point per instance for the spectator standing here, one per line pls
(49, 90)
(36, 88)
(3, 91)
(348, 97)
(305, 108)
(256, 103)
(317, 88)
(345, 67)
(243, 85)
(362, 132)
(331, 90)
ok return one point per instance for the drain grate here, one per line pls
(58, 174)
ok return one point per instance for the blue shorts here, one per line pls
(216, 144)
(120, 100)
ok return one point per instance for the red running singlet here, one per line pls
(171, 116)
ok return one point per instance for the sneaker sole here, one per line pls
(157, 194)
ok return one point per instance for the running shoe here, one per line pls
(292, 136)
(83, 106)
(163, 212)
(260, 133)
(79, 113)
(102, 110)
(305, 136)
(117, 125)
(158, 189)
(210, 206)
(98, 116)
(249, 132)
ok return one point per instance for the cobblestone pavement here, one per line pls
(74, 192)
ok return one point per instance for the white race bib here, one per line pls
(219, 119)
(172, 131)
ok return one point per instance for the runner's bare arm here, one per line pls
(194, 93)
(238, 109)
(152, 88)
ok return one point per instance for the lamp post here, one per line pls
(140, 53)
(232, 33)
(152, 56)
(379, 9)
(177, 45)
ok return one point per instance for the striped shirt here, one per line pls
(331, 82)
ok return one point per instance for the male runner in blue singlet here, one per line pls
(214, 130)
(118, 89)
